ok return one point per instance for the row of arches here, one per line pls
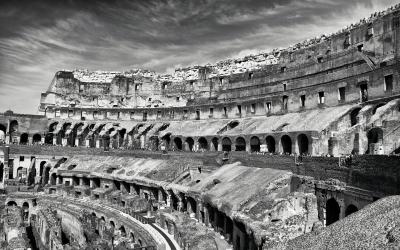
(333, 211)
(240, 144)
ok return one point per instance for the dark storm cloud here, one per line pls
(38, 38)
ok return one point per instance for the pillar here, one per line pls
(219, 145)
(55, 139)
(248, 146)
(98, 143)
(77, 141)
(30, 140)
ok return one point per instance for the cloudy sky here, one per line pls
(37, 38)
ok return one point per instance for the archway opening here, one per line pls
(48, 139)
(332, 211)
(3, 130)
(350, 209)
(53, 179)
(214, 142)
(13, 130)
(353, 116)
(375, 140)
(122, 231)
(23, 139)
(226, 144)
(286, 144)
(377, 106)
(240, 144)
(178, 143)
(190, 143)
(255, 144)
(41, 168)
(46, 175)
(302, 143)
(270, 144)
(203, 144)
(25, 210)
(11, 203)
(36, 139)
(1, 171)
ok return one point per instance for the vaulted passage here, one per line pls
(240, 144)
(178, 143)
(226, 144)
(214, 142)
(203, 144)
(302, 143)
(189, 142)
(375, 139)
(286, 144)
(332, 211)
(255, 144)
(23, 139)
(350, 209)
(353, 116)
(270, 144)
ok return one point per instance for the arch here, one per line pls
(286, 142)
(193, 204)
(46, 175)
(20, 172)
(53, 179)
(351, 209)
(1, 171)
(302, 144)
(41, 168)
(255, 144)
(48, 139)
(377, 106)
(226, 144)
(203, 144)
(375, 136)
(13, 126)
(25, 210)
(270, 144)
(240, 144)
(121, 135)
(353, 116)
(23, 139)
(214, 143)
(11, 203)
(132, 238)
(190, 143)
(53, 126)
(37, 138)
(31, 176)
(3, 130)
(154, 143)
(122, 231)
(178, 143)
(332, 211)
(112, 224)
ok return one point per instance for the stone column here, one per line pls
(30, 140)
(219, 145)
(54, 139)
(248, 146)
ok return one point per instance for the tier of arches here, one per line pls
(285, 144)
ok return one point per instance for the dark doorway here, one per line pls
(286, 144)
(350, 209)
(255, 144)
(332, 211)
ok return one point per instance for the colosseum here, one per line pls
(297, 148)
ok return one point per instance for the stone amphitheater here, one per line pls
(296, 148)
